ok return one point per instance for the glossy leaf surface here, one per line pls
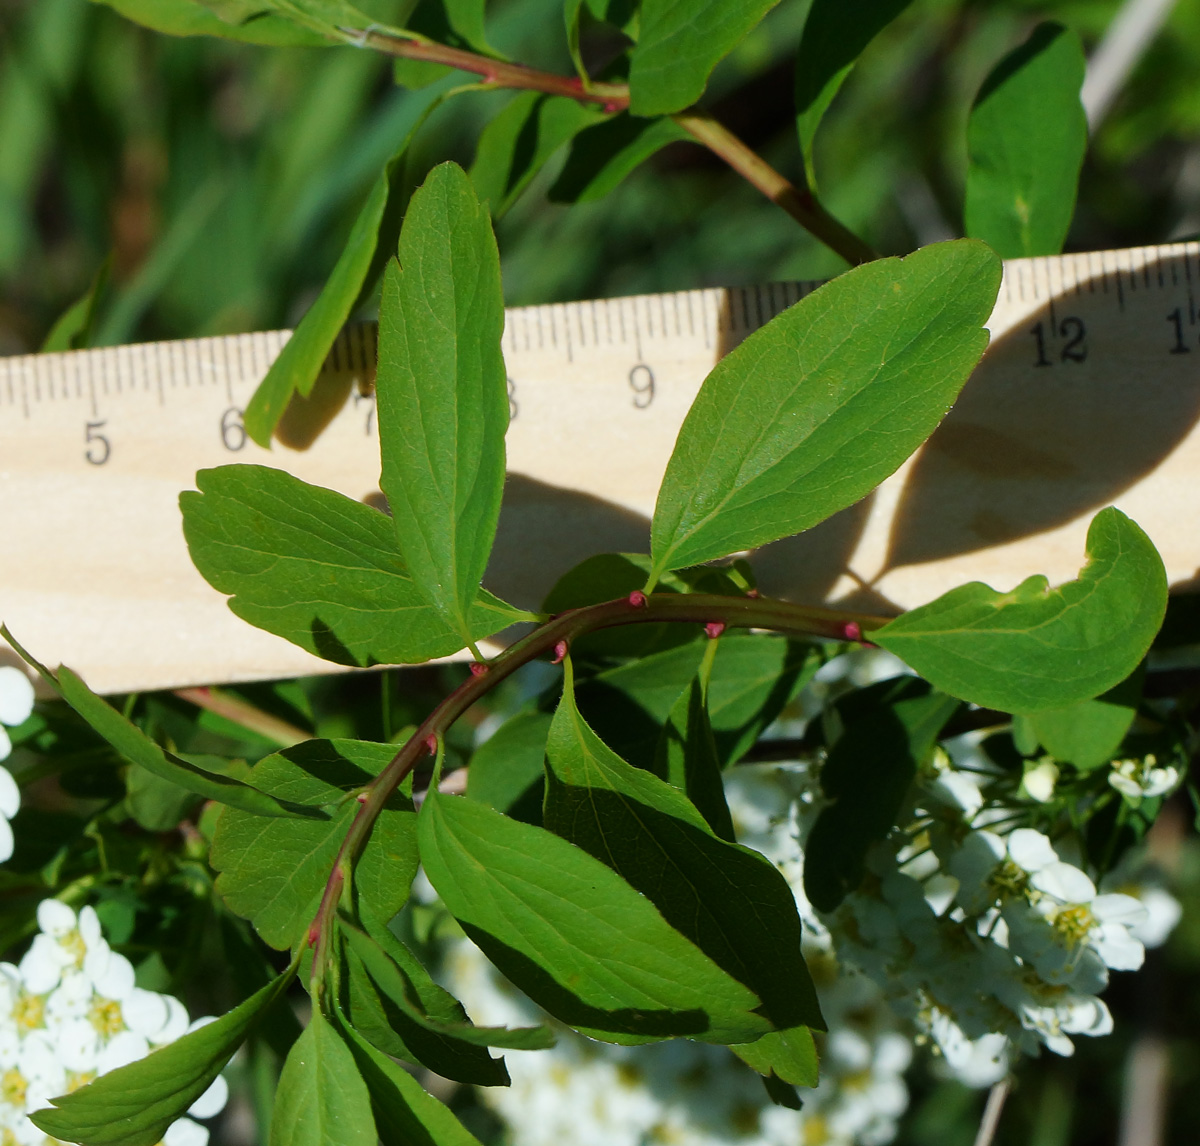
(134, 1105)
(442, 394)
(813, 410)
(1025, 144)
(1038, 648)
(679, 44)
(573, 935)
(729, 900)
(317, 568)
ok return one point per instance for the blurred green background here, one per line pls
(221, 179)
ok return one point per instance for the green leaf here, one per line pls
(272, 871)
(1088, 734)
(603, 156)
(890, 728)
(320, 772)
(729, 900)
(442, 393)
(188, 18)
(1025, 143)
(385, 1004)
(519, 142)
(156, 804)
(73, 330)
(405, 1114)
(835, 34)
(132, 743)
(134, 1105)
(813, 410)
(317, 568)
(322, 1100)
(687, 759)
(621, 14)
(790, 1056)
(679, 44)
(1036, 648)
(506, 769)
(369, 245)
(573, 935)
(753, 677)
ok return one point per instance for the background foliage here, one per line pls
(221, 181)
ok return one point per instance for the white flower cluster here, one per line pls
(16, 703)
(70, 1012)
(690, 1094)
(967, 934)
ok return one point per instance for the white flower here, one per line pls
(72, 1011)
(16, 703)
(1039, 781)
(1142, 779)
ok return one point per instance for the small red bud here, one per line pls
(431, 742)
(637, 599)
(852, 631)
(753, 594)
(361, 797)
(714, 629)
(560, 653)
(478, 668)
(314, 933)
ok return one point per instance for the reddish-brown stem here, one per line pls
(636, 609)
(798, 202)
(499, 73)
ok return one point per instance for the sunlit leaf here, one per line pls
(813, 410)
(573, 935)
(1038, 648)
(317, 568)
(729, 900)
(1089, 733)
(442, 394)
(321, 1100)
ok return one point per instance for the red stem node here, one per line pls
(714, 629)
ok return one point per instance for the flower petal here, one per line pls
(16, 696)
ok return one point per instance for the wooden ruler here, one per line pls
(1088, 396)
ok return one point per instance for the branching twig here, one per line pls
(797, 202)
(991, 1113)
(555, 636)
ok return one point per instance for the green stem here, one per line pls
(244, 713)
(799, 202)
(556, 636)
